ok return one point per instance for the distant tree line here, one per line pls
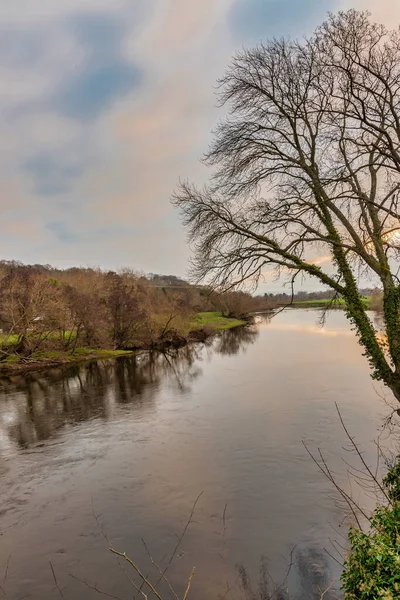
(42, 307)
(283, 298)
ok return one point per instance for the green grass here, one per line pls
(83, 352)
(12, 340)
(79, 353)
(211, 321)
(207, 321)
(323, 302)
(10, 359)
(61, 358)
(215, 320)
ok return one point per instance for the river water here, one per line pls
(122, 448)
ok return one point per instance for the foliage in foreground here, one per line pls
(372, 568)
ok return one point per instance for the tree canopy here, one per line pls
(306, 163)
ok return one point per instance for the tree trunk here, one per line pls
(395, 387)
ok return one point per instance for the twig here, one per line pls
(109, 544)
(6, 571)
(335, 559)
(335, 545)
(344, 494)
(95, 588)
(344, 537)
(359, 454)
(175, 550)
(290, 303)
(285, 580)
(55, 581)
(325, 591)
(224, 556)
(189, 583)
(327, 308)
(165, 330)
(138, 571)
(325, 470)
(3, 591)
(153, 562)
(229, 589)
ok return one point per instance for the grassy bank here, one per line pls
(324, 302)
(215, 321)
(39, 361)
(200, 327)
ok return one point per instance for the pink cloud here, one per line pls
(179, 24)
(161, 132)
(384, 11)
(11, 197)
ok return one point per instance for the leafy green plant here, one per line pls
(372, 567)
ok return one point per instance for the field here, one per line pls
(215, 321)
(209, 322)
(324, 302)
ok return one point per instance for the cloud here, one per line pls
(320, 260)
(43, 12)
(384, 11)
(60, 229)
(260, 19)
(94, 89)
(52, 176)
(163, 130)
(104, 106)
(58, 81)
(11, 198)
(179, 26)
(103, 73)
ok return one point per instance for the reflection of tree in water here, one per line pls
(230, 342)
(34, 407)
(141, 376)
(39, 405)
(378, 320)
(308, 578)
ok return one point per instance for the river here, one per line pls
(122, 448)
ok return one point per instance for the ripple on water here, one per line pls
(124, 447)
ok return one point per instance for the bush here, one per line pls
(372, 568)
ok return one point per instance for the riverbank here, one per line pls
(328, 302)
(200, 328)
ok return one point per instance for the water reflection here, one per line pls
(308, 577)
(140, 438)
(35, 407)
(231, 342)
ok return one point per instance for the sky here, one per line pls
(105, 104)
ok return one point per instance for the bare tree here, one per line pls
(31, 308)
(87, 315)
(126, 312)
(308, 161)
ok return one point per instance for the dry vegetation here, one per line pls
(46, 313)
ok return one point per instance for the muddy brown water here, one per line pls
(123, 447)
